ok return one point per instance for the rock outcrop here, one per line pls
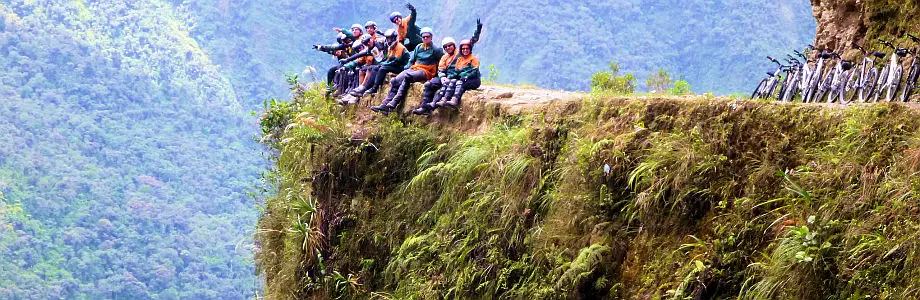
(843, 23)
(840, 23)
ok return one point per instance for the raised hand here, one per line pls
(410, 7)
(316, 47)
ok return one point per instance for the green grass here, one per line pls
(709, 198)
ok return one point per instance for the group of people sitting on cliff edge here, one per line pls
(366, 56)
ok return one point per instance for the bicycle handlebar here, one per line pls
(887, 43)
(915, 39)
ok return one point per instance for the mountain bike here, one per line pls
(827, 80)
(839, 75)
(816, 76)
(805, 73)
(890, 77)
(861, 85)
(912, 73)
(792, 80)
(767, 86)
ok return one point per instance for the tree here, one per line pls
(611, 81)
(658, 82)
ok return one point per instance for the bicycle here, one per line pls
(827, 81)
(791, 81)
(861, 85)
(912, 74)
(839, 77)
(816, 76)
(890, 77)
(805, 73)
(767, 86)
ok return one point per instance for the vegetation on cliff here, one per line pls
(703, 198)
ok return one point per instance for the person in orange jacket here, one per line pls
(425, 59)
(446, 70)
(409, 33)
(468, 75)
(394, 61)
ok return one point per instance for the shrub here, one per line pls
(611, 81)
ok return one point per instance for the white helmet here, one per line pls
(365, 38)
(370, 23)
(426, 30)
(447, 41)
(358, 26)
(391, 33)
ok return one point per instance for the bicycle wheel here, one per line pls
(823, 89)
(853, 88)
(895, 82)
(880, 84)
(759, 88)
(869, 84)
(910, 83)
(783, 86)
(771, 89)
(813, 88)
(790, 91)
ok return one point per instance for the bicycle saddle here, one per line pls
(879, 54)
(901, 52)
(772, 74)
(824, 55)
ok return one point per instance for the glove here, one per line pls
(475, 39)
(410, 7)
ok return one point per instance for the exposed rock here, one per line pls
(843, 23)
(505, 95)
(840, 23)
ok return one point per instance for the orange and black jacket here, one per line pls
(468, 66)
(396, 57)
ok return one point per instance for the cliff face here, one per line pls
(600, 198)
(841, 23)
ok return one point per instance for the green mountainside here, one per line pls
(125, 157)
(717, 46)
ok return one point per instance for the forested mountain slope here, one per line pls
(125, 157)
(717, 46)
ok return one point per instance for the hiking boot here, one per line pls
(371, 91)
(379, 108)
(422, 111)
(357, 92)
(353, 100)
(452, 103)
